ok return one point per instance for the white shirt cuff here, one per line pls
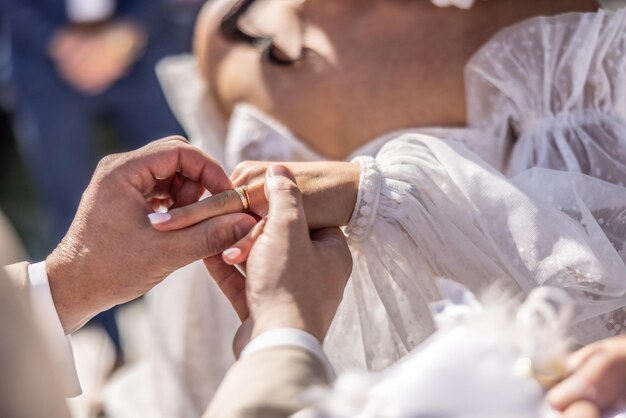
(58, 345)
(290, 337)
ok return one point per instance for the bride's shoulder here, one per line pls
(546, 66)
(555, 33)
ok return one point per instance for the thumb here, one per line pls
(285, 200)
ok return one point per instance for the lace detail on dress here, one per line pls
(544, 67)
(589, 142)
(367, 199)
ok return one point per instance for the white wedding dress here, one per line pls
(491, 353)
(530, 193)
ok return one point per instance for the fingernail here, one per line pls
(572, 388)
(231, 254)
(278, 170)
(158, 218)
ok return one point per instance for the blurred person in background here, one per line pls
(77, 64)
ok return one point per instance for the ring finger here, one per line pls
(182, 217)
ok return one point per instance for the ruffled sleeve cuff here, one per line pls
(367, 201)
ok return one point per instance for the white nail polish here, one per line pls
(158, 218)
(231, 253)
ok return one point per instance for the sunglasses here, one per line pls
(274, 26)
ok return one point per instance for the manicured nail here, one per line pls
(231, 254)
(572, 388)
(159, 218)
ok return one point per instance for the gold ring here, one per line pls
(242, 192)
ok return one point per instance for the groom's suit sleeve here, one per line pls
(31, 282)
(28, 380)
(17, 274)
(268, 384)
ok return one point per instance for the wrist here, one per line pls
(70, 301)
(286, 317)
(333, 184)
(351, 185)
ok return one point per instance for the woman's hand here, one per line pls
(597, 382)
(329, 189)
(329, 192)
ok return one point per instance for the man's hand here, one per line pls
(295, 279)
(91, 60)
(111, 253)
(597, 383)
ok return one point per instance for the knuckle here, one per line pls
(178, 138)
(107, 161)
(248, 170)
(242, 167)
(245, 165)
(107, 165)
(222, 200)
(168, 140)
(290, 218)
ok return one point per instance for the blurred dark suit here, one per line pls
(55, 122)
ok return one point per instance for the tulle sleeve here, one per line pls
(552, 91)
(429, 208)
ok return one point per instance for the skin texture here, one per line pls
(111, 254)
(369, 66)
(328, 199)
(597, 381)
(303, 285)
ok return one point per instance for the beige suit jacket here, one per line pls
(28, 385)
(267, 384)
(12, 250)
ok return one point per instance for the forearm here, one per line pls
(334, 187)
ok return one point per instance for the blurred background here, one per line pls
(77, 82)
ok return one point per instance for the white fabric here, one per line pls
(547, 93)
(478, 364)
(289, 337)
(486, 352)
(86, 11)
(57, 343)
(193, 326)
(461, 4)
